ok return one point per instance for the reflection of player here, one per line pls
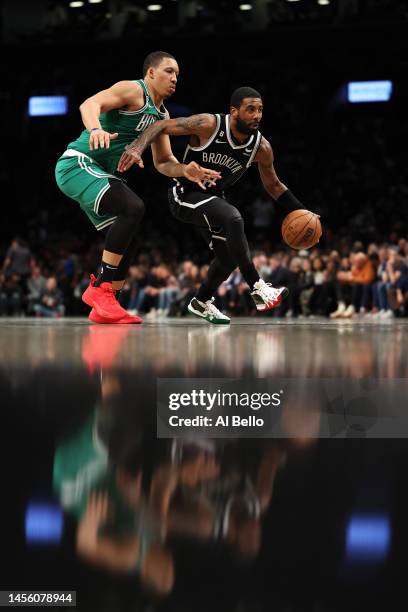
(118, 527)
(85, 173)
(98, 474)
(122, 532)
(227, 507)
(228, 144)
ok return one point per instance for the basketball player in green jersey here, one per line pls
(85, 173)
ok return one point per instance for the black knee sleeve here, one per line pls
(121, 201)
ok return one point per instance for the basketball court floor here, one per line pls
(262, 346)
(316, 521)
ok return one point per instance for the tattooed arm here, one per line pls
(201, 126)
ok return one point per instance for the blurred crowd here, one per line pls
(352, 281)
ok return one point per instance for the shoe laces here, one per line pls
(266, 289)
(93, 280)
(211, 308)
(109, 293)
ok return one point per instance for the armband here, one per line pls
(288, 201)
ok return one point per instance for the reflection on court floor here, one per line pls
(259, 348)
(96, 503)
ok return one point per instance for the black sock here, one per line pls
(106, 274)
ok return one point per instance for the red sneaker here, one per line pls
(95, 318)
(102, 299)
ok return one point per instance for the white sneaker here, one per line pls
(132, 311)
(349, 312)
(208, 311)
(151, 315)
(341, 309)
(266, 296)
(387, 314)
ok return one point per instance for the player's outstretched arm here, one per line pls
(120, 94)
(167, 164)
(157, 135)
(199, 125)
(276, 189)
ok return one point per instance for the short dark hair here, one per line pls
(241, 93)
(154, 59)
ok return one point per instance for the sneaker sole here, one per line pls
(100, 311)
(129, 320)
(269, 306)
(191, 310)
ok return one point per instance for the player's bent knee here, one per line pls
(122, 202)
(135, 208)
(235, 225)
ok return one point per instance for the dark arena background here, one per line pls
(308, 514)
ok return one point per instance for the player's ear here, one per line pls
(233, 111)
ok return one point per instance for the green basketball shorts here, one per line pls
(79, 177)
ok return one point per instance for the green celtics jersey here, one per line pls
(128, 124)
(79, 463)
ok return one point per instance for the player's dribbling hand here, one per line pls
(128, 158)
(100, 139)
(204, 177)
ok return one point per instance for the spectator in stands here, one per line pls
(279, 274)
(169, 290)
(11, 296)
(188, 281)
(51, 304)
(318, 299)
(132, 295)
(396, 272)
(295, 281)
(354, 285)
(260, 262)
(35, 286)
(234, 295)
(17, 260)
(380, 286)
(306, 287)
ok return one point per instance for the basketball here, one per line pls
(301, 229)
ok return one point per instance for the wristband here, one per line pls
(93, 129)
(289, 202)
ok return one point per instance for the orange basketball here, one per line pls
(301, 229)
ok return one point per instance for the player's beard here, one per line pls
(244, 128)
